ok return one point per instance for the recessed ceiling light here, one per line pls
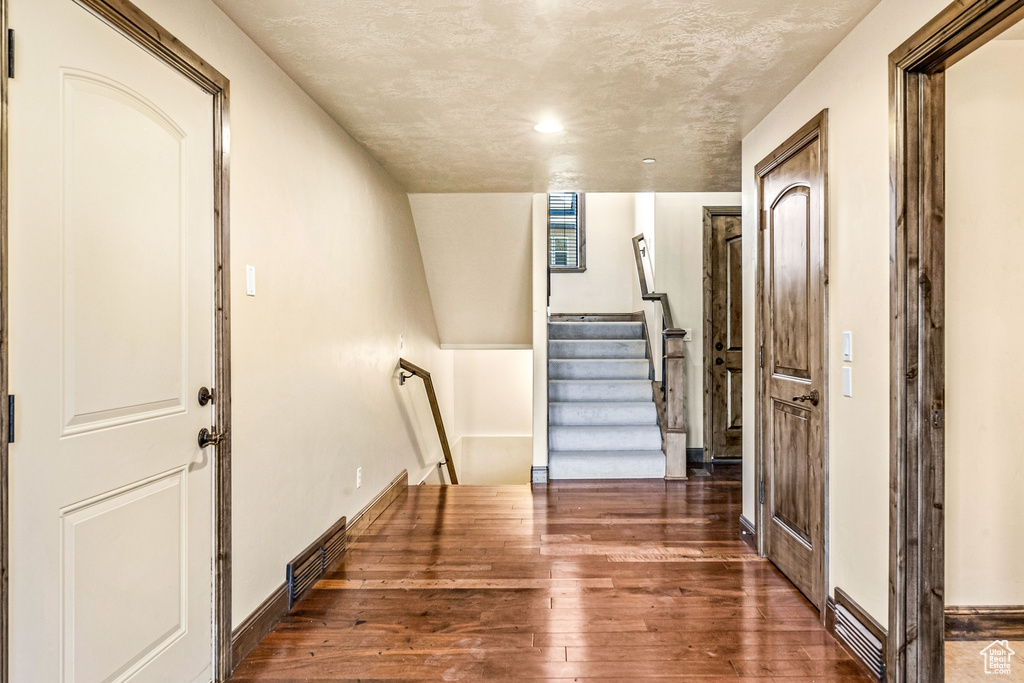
(548, 127)
(648, 160)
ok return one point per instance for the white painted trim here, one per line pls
(540, 330)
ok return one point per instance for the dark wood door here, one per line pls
(724, 283)
(793, 335)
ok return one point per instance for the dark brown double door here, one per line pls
(792, 334)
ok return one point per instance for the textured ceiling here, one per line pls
(445, 93)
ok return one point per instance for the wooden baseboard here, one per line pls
(369, 514)
(264, 618)
(747, 533)
(985, 623)
(865, 619)
(257, 625)
(695, 456)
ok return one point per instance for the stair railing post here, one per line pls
(674, 378)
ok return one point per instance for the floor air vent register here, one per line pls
(864, 637)
(312, 563)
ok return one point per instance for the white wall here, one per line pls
(853, 83)
(494, 416)
(679, 272)
(493, 393)
(315, 354)
(476, 253)
(984, 320)
(607, 285)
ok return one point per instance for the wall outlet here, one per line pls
(359, 477)
(848, 381)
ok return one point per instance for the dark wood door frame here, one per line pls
(132, 23)
(917, 328)
(816, 127)
(710, 212)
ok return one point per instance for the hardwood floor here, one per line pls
(572, 581)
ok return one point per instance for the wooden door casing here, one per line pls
(723, 333)
(917, 157)
(792, 333)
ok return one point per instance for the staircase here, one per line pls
(602, 420)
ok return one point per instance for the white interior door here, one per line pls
(111, 337)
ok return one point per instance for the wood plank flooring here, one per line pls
(573, 581)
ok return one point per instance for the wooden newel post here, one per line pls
(675, 405)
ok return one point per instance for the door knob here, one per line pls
(208, 438)
(813, 397)
(205, 396)
(719, 361)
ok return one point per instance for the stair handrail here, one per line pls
(647, 295)
(672, 374)
(417, 371)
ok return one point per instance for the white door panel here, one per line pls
(124, 203)
(142, 531)
(111, 337)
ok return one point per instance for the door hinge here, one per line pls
(938, 418)
(10, 53)
(10, 418)
(762, 492)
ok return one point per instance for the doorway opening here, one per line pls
(939, 377)
(723, 334)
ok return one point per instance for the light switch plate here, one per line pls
(250, 280)
(688, 334)
(848, 382)
(848, 346)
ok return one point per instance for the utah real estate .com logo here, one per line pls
(997, 657)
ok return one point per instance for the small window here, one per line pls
(566, 236)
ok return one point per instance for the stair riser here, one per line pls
(606, 466)
(562, 438)
(638, 413)
(595, 331)
(587, 348)
(640, 390)
(599, 369)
